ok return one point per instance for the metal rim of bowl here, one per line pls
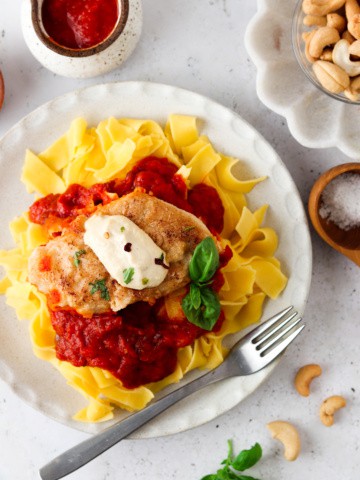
(84, 52)
(304, 64)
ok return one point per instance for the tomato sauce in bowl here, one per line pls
(79, 24)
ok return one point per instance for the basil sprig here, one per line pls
(232, 465)
(201, 305)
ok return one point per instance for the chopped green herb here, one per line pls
(128, 274)
(99, 286)
(187, 229)
(233, 465)
(122, 229)
(76, 257)
(145, 281)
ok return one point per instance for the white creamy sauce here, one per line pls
(126, 251)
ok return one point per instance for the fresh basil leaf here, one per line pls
(210, 306)
(207, 315)
(212, 476)
(204, 262)
(247, 458)
(195, 296)
(191, 313)
(226, 474)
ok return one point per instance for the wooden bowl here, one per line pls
(346, 242)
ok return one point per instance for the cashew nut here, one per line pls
(304, 377)
(353, 91)
(354, 26)
(329, 407)
(341, 56)
(354, 48)
(288, 436)
(337, 21)
(314, 20)
(323, 37)
(307, 36)
(351, 8)
(321, 7)
(331, 76)
(347, 36)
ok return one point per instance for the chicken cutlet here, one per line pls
(65, 268)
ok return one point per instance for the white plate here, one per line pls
(314, 119)
(36, 381)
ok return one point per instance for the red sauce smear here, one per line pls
(79, 24)
(139, 344)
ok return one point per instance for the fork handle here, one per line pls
(86, 451)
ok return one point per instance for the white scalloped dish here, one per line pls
(315, 119)
(37, 382)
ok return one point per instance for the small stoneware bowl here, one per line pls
(347, 241)
(82, 62)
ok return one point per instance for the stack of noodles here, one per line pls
(91, 155)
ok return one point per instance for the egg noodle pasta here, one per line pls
(87, 156)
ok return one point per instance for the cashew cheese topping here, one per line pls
(130, 256)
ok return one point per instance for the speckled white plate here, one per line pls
(315, 120)
(36, 381)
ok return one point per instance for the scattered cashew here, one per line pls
(329, 407)
(354, 26)
(304, 377)
(351, 8)
(334, 20)
(314, 20)
(288, 436)
(331, 76)
(321, 7)
(353, 91)
(323, 37)
(354, 48)
(341, 57)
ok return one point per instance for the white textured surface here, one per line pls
(314, 119)
(200, 46)
(230, 135)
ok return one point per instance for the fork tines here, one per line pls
(274, 335)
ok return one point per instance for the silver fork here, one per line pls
(253, 352)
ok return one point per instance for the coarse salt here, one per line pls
(340, 201)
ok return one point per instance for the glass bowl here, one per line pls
(298, 28)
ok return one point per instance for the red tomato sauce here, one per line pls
(79, 24)
(138, 344)
(156, 176)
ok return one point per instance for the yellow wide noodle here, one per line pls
(90, 155)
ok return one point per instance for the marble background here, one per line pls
(199, 46)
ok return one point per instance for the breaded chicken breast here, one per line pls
(65, 268)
